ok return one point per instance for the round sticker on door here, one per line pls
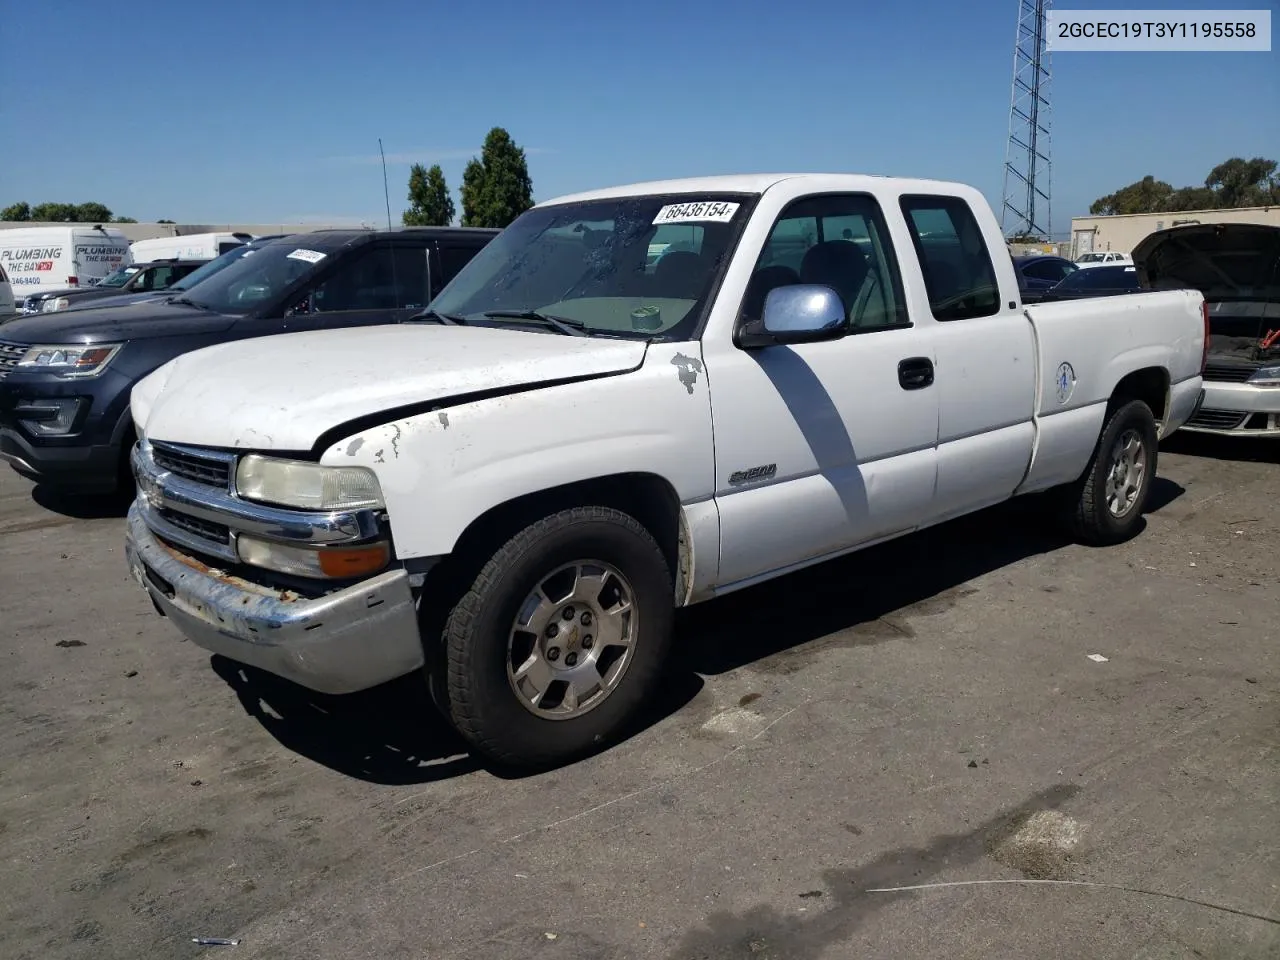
(1066, 381)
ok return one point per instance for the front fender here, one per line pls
(442, 469)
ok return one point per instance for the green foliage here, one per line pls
(1231, 184)
(62, 213)
(496, 187)
(429, 202)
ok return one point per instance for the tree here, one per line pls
(164, 221)
(92, 213)
(429, 202)
(54, 212)
(124, 220)
(1147, 195)
(1231, 184)
(496, 187)
(16, 212)
(1245, 183)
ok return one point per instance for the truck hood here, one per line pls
(284, 392)
(1237, 268)
(109, 324)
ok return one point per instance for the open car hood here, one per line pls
(1224, 261)
(1236, 266)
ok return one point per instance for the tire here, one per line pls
(1096, 516)
(484, 653)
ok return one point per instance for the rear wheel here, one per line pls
(559, 640)
(1105, 506)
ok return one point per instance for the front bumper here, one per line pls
(85, 469)
(1237, 410)
(349, 640)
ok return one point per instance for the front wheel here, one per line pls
(1108, 501)
(560, 639)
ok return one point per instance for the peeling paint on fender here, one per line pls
(689, 369)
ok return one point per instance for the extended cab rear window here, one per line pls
(957, 267)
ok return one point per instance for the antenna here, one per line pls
(1027, 153)
(385, 189)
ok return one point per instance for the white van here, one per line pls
(196, 246)
(7, 304)
(54, 258)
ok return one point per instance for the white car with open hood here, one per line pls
(1236, 267)
(513, 493)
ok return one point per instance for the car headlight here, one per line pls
(1268, 376)
(307, 486)
(69, 360)
(50, 306)
(320, 563)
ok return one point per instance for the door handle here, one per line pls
(915, 373)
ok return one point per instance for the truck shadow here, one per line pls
(393, 735)
(82, 506)
(1211, 447)
(870, 596)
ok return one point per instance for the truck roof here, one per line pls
(756, 183)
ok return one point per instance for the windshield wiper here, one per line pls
(438, 317)
(572, 328)
(189, 303)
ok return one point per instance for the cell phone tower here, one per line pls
(1027, 167)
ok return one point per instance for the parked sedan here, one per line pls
(1038, 272)
(131, 278)
(1094, 282)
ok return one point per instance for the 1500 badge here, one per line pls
(753, 475)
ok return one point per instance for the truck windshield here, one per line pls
(248, 282)
(641, 266)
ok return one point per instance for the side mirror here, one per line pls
(800, 313)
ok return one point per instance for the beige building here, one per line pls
(148, 231)
(1123, 233)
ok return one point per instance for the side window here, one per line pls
(957, 268)
(840, 241)
(364, 282)
(453, 257)
(411, 277)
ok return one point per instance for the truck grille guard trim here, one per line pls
(162, 491)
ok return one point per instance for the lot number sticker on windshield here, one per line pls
(706, 211)
(311, 256)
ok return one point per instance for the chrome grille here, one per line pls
(10, 354)
(1229, 372)
(1217, 419)
(212, 470)
(205, 529)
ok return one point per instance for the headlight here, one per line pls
(70, 361)
(323, 563)
(1268, 376)
(61, 303)
(307, 486)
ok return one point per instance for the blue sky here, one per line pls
(265, 111)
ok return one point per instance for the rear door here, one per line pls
(986, 357)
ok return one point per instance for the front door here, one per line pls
(383, 283)
(824, 446)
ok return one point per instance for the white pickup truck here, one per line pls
(514, 493)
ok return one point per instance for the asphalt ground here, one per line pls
(932, 711)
